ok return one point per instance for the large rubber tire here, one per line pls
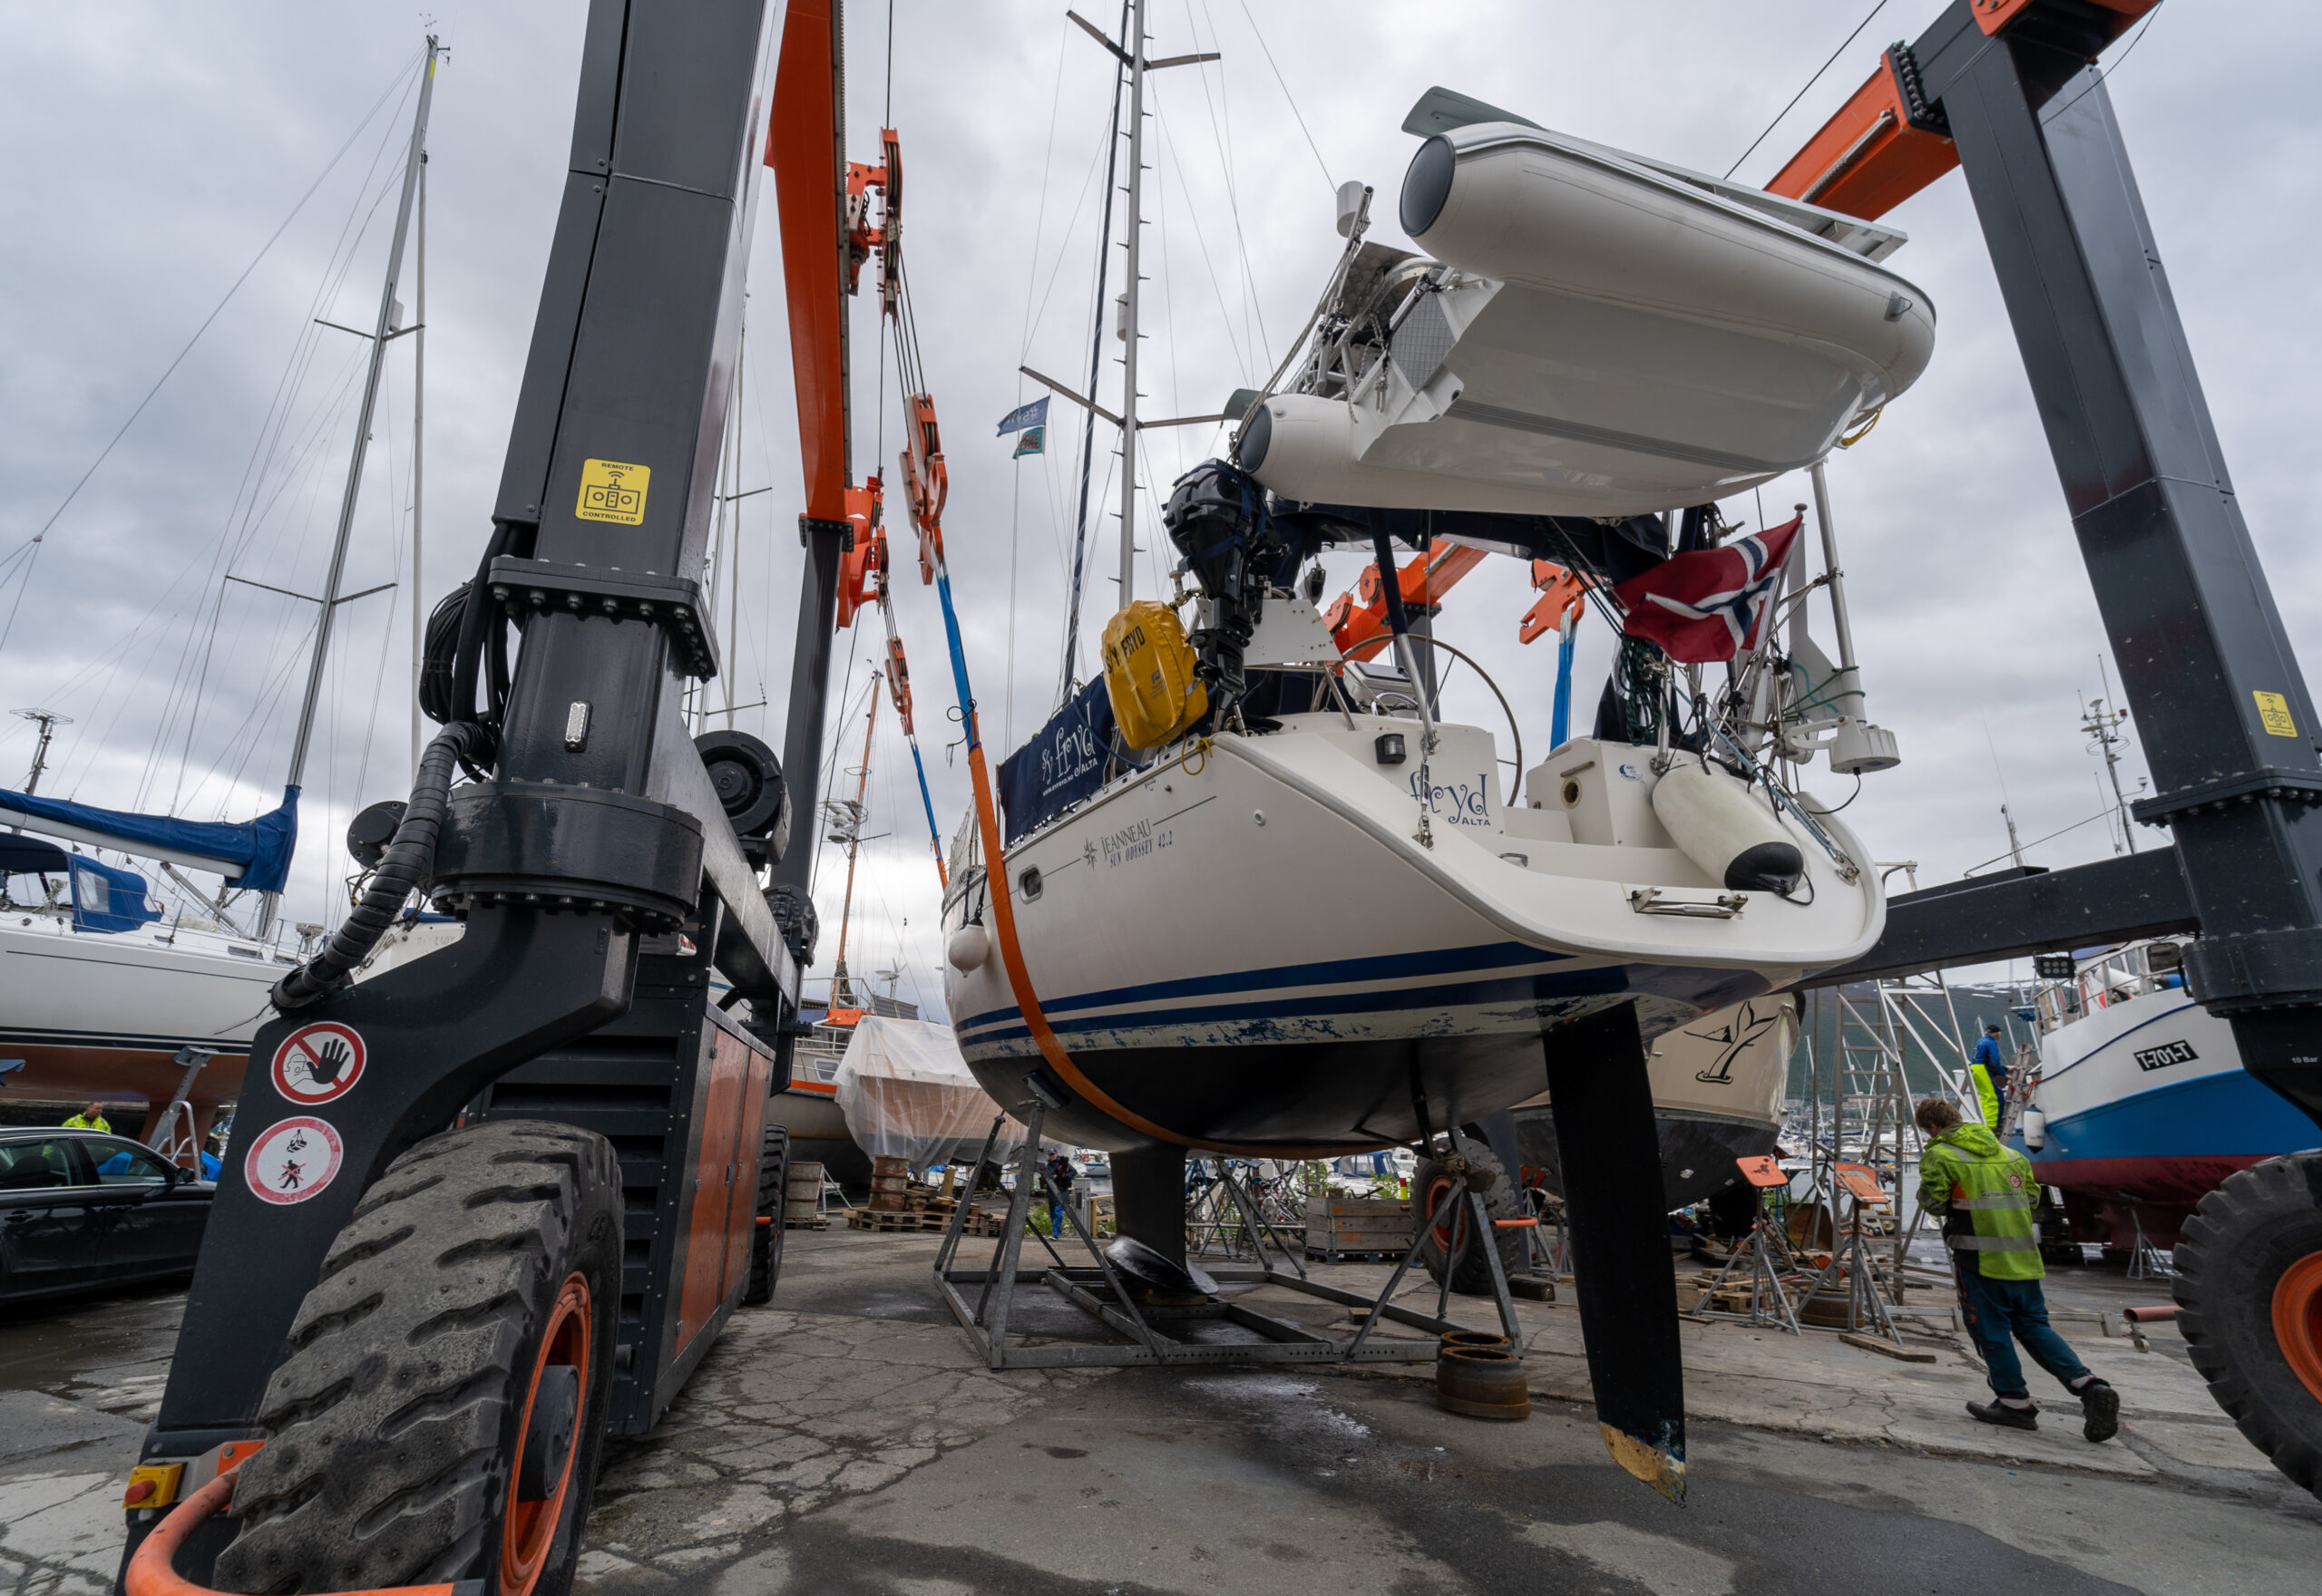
(485, 1261)
(2250, 1302)
(1450, 1244)
(765, 1237)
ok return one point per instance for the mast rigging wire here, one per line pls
(402, 72)
(1810, 82)
(1292, 98)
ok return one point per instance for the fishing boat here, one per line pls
(1717, 1096)
(2135, 1104)
(1314, 917)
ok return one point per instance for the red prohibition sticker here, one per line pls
(318, 1062)
(292, 1160)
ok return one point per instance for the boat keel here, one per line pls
(1615, 1207)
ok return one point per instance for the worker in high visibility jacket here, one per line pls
(1983, 1196)
(1986, 1092)
(92, 1118)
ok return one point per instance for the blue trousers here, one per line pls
(2001, 1313)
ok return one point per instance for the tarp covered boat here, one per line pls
(908, 1093)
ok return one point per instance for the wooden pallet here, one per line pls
(812, 1222)
(864, 1219)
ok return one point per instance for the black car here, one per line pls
(80, 1208)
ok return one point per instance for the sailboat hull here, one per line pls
(1252, 950)
(104, 1016)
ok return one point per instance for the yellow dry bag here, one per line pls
(1149, 674)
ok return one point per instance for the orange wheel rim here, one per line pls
(2297, 1321)
(1450, 1227)
(528, 1527)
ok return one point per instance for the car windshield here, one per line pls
(32, 1165)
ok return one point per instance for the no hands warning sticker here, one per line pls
(318, 1063)
(293, 1160)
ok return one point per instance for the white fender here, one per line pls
(970, 945)
(2033, 1126)
(1717, 823)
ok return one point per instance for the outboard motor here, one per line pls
(1216, 518)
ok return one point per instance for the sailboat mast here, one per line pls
(418, 477)
(1128, 300)
(1089, 421)
(381, 331)
(840, 986)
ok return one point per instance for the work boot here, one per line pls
(2000, 1413)
(2100, 1407)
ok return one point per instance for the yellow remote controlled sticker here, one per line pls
(610, 490)
(2273, 713)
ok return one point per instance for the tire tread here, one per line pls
(389, 1417)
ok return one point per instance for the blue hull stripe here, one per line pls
(1331, 972)
(1513, 993)
(2230, 1114)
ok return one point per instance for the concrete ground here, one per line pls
(844, 1440)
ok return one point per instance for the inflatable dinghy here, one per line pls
(1596, 335)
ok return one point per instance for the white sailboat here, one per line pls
(1313, 920)
(102, 997)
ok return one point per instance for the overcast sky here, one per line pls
(153, 151)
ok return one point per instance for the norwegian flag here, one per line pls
(1709, 604)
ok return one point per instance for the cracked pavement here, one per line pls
(845, 1441)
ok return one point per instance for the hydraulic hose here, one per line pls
(409, 859)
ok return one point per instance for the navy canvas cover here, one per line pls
(254, 856)
(107, 898)
(1062, 765)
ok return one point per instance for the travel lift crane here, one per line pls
(2008, 91)
(487, 1206)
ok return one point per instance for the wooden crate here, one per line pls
(1338, 1227)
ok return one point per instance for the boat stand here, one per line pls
(1207, 1220)
(2146, 1261)
(1867, 1306)
(1770, 1261)
(1096, 1289)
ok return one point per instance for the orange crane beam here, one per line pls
(1886, 143)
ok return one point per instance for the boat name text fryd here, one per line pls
(1466, 800)
(1069, 756)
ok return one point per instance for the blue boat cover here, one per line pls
(107, 898)
(1062, 765)
(29, 856)
(258, 850)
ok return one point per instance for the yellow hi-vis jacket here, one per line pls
(1986, 1094)
(1984, 1193)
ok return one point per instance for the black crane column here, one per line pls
(2229, 730)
